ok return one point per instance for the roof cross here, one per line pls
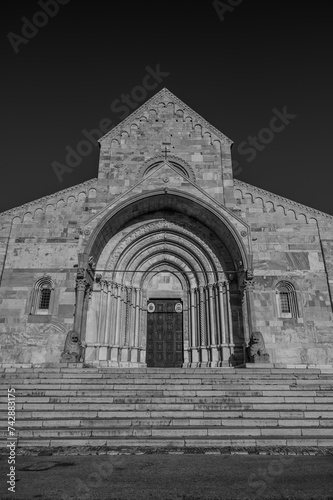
(166, 150)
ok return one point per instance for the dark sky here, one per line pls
(234, 69)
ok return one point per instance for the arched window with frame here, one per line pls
(42, 296)
(286, 300)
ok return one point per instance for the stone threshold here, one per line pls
(253, 366)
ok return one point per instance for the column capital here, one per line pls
(82, 285)
(248, 281)
(81, 272)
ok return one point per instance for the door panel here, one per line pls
(165, 334)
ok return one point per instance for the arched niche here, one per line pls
(184, 237)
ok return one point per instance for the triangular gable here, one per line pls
(165, 96)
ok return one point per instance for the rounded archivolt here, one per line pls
(168, 249)
(217, 227)
(179, 165)
(145, 243)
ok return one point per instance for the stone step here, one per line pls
(225, 371)
(58, 407)
(104, 378)
(170, 374)
(182, 389)
(171, 422)
(187, 390)
(91, 397)
(228, 374)
(72, 367)
(158, 407)
(146, 396)
(174, 379)
(224, 418)
(96, 414)
(174, 431)
(181, 443)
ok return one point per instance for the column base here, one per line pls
(104, 353)
(134, 354)
(142, 356)
(226, 353)
(215, 357)
(204, 356)
(114, 354)
(226, 364)
(194, 356)
(91, 354)
(124, 354)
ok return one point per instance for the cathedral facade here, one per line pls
(165, 260)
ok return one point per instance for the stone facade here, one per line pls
(166, 219)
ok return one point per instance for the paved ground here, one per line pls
(170, 477)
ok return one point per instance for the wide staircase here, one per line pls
(177, 408)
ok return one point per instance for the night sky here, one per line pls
(238, 68)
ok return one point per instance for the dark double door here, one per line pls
(164, 333)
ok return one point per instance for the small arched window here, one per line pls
(42, 296)
(286, 300)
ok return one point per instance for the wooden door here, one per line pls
(165, 333)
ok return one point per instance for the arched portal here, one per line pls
(165, 249)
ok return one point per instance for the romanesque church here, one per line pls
(166, 260)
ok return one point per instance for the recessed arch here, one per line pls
(165, 231)
(178, 164)
(158, 200)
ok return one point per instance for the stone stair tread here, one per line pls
(82, 406)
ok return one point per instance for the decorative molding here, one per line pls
(173, 231)
(157, 99)
(160, 159)
(52, 197)
(243, 185)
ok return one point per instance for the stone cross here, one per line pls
(166, 150)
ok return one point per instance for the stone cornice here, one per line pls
(161, 96)
(282, 199)
(50, 197)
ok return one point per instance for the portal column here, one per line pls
(203, 327)
(247, 285)
(224, 345)
(229, 314)
(194, 348)
(81, 289)
(125, 349)
(105, 335)
(115, 346)
(82, 286)
(101, 318)
(135, 349)
(214, 355)
(113, 313)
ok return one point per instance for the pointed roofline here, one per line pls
(145, 107)
(49, 197)
(280, 198)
